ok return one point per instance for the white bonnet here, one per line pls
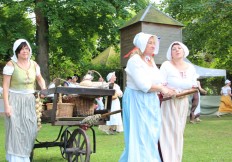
(227, 81)
(185, 48)
(109, 76)
(16, 45)
(141, 39)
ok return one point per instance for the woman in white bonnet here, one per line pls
(225, 104)
(19, 76)
(114, 125)
(140, 104)
(115, 121)
(181, 76)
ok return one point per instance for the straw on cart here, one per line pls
(90, 120)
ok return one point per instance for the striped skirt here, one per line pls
(21, 127)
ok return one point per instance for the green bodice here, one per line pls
(23, 79)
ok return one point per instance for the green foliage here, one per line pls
(114, 62)
(207, 30)
(212, 85)
(14, 25)
(78, 30)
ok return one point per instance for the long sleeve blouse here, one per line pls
(140, 76)
(176, 79)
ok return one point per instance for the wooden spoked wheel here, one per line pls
(78, 147)
(64, 139)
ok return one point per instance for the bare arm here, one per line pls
(229, 92)
(221, 92)
(6, 85)
(39, 78)
(201, 89)
(41, 81)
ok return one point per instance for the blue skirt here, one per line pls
(142, 124)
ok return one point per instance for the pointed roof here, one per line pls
(152, 15)
(103, 57)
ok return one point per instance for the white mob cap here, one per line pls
(227, 81)
(109, 76)
(16, 45)
(141, 39)
(169, 52)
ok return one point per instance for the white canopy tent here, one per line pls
(208, 72)
(209, 104)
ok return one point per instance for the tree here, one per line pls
(14, 24)
(76, 30)
(42, 41)
(207, 30)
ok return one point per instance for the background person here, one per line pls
(100, 104)
(115, 121)
(179, 75)
(141, 105)
(196, 104)
(225, 102)
(19, 76)
(99, 100)
(73, 82)
(77, 77)
(68, 81)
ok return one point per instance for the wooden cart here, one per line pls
(74, 145)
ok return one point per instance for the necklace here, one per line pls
(147, 58)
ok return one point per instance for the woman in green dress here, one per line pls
(19, 77)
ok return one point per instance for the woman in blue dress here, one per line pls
(141, 105)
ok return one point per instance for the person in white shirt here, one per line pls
(180, 76)
(225, 104)
(140, 102)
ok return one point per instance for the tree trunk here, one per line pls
(42, 41)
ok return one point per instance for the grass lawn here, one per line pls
(209, 141)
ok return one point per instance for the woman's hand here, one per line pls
(167, 92)
(115, 96)
(202, 91)
(8, 111)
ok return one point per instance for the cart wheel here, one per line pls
(64, 138)
(78, 148)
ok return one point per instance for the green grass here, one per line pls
(209, 141)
